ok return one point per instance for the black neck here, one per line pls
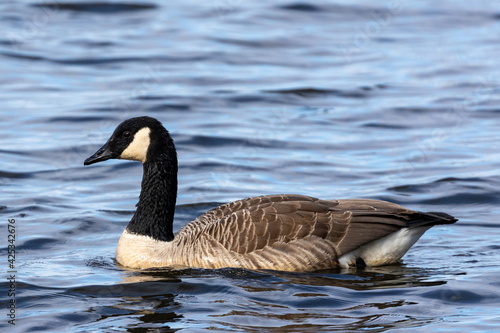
(154, 216)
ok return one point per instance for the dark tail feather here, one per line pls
(430, 218)
(443, 218)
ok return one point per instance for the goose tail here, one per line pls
(431, 219)
(443, 218)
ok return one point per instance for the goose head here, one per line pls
(138, 139)
(145, 139)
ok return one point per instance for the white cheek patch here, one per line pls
(137, 150)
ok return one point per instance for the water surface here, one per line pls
(349, 99)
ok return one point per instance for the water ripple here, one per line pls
(97, 7)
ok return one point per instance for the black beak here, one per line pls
(103, 154)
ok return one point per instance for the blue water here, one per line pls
(391, 100)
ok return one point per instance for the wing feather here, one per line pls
(302, 226)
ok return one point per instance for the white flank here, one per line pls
(386, 250)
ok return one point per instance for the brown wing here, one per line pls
(251, 224)
(303, 231)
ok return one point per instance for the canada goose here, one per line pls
(287, 232)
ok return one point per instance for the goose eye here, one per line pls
(126, 134)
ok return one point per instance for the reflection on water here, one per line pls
(394, 101)
(157, 295)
